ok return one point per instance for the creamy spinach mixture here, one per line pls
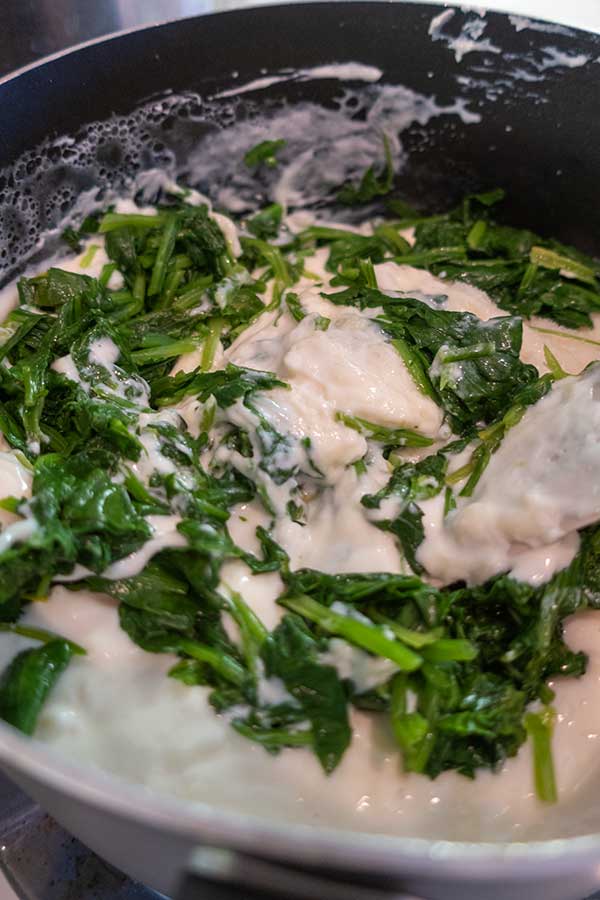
(323, 474)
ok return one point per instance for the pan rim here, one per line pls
(273, 837)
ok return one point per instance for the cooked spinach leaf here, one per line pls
(264, 153)
(28, 680)
(371, 185)
(291, 653)
(266, 223)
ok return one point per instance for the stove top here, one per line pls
(41, 860)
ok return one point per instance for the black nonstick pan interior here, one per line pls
(536, 95)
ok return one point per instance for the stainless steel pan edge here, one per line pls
(151, 837)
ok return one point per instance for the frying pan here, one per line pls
(522, 103)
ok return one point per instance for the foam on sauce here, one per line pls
(117, 709)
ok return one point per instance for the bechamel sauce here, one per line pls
(117, 709)
(539, 487)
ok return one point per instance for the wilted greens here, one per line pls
(89, 402)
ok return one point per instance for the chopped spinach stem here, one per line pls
(224, 665)
(565, 335)
(369, 636)
(539, 728)
(275, 738)
(210, 344)
(40, 634)
(111, 221)
(399, 437)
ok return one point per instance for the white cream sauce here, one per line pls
(117, 709)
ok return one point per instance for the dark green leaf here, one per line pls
(26, 683)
